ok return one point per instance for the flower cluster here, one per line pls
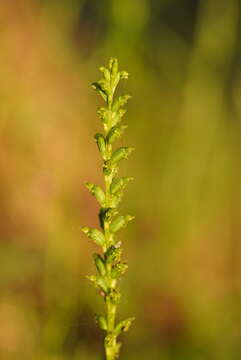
(109, 264)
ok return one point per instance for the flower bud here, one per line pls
(119, 184)
(113, 64)
(100, 89)
(115, 81)
(101, 322)
(95, 235)
(115, 200)
(105, 72)
(97, 192)
(120, 222)
(120, 114)
(100, 264)
(99, 282)
(100, 140)
(118, 270)
(113, 254)
(124, 325)
(120, 101)
(109, 168)
(115, 133)
(120, 154)
(104, 85)
(124, 75)
(103, 114)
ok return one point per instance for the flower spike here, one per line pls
(109, 265)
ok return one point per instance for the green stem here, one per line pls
(110, 346)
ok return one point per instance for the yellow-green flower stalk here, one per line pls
(109, 265)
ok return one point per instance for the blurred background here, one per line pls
(184, 251)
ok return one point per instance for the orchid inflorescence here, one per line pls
(109, 264)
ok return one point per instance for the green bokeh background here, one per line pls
(184, 251)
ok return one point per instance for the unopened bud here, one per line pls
(124, 75)
(105, 72)
(113, 254)
(124, 325)
(100, 140)
(113, 64)
(99, 282)
(120, 154)
(119, 184)
(118, 270)
(100, 88)
(101, 322)
(120, 222)
(115, 133)
(97, 192)
(120, 101)
(95, 235)
(99, 263)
